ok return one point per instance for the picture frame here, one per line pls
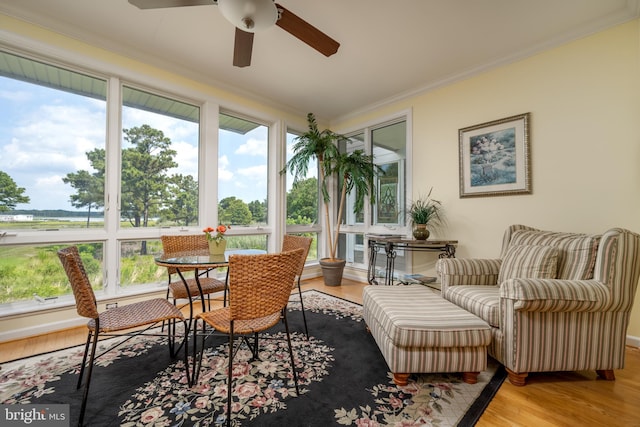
(495, 158)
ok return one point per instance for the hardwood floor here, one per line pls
(548, 399)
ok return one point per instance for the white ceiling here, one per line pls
(389, 49)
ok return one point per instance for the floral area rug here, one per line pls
(342, 376)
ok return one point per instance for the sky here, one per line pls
(45, 133)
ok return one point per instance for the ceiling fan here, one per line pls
(251, 16)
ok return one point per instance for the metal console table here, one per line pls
(447, 249)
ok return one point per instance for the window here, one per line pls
(303, 201)
(159, 173)
(242, 171)
(356, 142)
(33, 272)
(61, 170)
(158, 177)
(388, 143)
(137, 265)
(389, 151)
(52, 119)
(302, 195)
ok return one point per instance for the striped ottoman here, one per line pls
(418, 331)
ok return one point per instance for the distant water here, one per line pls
(68, 218)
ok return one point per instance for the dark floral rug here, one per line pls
(342, 375)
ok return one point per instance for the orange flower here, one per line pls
(219, 232)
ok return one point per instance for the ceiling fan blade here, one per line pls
(306, 32)
(242, 48)
(158, 4)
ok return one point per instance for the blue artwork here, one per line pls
(493, 158)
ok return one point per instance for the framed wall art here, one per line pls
(495, 158)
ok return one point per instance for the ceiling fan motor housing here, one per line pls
(249, 15)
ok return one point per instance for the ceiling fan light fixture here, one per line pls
(249, 15)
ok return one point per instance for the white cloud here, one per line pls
(224, 173)
(255, 179)
(255, 173)
(172, 128)
(60, 135)
(49, 188)
(186, 158)
(50, 141)
(48, 181)
(253, 147)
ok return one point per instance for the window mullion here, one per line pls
(112, 185)
(208, 167)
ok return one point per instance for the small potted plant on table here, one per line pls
(215, 237)
(423, 213)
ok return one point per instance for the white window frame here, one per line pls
(112, 235)
(350, 230)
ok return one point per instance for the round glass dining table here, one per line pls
(200, 260)
(192, 260)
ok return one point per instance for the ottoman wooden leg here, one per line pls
(400, 379)
(470, 377)
(606, 374)
(517, 379)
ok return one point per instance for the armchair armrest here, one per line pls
(556, 295)
(471, 271)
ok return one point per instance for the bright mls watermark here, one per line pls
(34, 415)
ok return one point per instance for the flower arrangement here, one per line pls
(219, 233)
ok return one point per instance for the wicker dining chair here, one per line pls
(259, 289)
(195, 244)
(128, 320)
(289, 243)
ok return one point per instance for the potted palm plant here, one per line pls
(353, 171)
(423, 213)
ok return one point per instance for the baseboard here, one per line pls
(32, 331)
(633, 341)
(355, 274)
(53, 318)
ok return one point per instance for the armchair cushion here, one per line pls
(483, 301)
(577, 252)
(529, 261)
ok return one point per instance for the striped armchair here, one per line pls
(555, 301)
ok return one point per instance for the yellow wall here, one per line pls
(584, 100)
